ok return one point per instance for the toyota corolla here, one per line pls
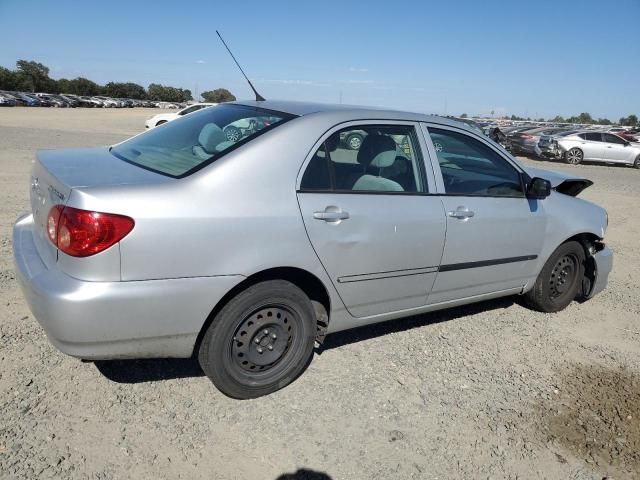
(246, 252)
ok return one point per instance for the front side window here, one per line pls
(367, 158)
(609, 138)
(469, 167)
(181, 147)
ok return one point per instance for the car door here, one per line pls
(370, 218)
(494, 233)
(616, 149)
(592, 146)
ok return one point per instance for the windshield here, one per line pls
(181, 147)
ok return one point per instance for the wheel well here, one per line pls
(591, 243)
(307, 282)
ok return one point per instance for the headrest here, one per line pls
(378, 151)
(210, 137)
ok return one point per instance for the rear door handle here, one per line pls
(461, 213)
(331, 216)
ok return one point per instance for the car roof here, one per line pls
(350, 112)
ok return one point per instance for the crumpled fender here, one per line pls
(568, 184)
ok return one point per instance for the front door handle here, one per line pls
(461, 213)
(330, 216)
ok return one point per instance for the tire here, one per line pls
(559, 281)
(636, 164)
(233, 133)
(160, 123)
(574, 156)
(354, 141)
(260, 341)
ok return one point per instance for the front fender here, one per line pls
(567, 217)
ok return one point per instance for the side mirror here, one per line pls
(538, 188)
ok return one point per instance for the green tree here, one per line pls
(218, 95)
(585, 117)
(464, 115)
(8, 79)
(168, 94)
(630, 120)
(558, 119)
(84, 86)
(603, 121)
(124, 90)
(36, 74)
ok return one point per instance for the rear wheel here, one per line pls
(260, 341)
(574, 156)
(559, 281)
(636, 164)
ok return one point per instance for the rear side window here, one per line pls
(367, 158)
(184, 146)
(594, 137)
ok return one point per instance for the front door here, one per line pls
(616, 149)
(494, 233)
(365, 206)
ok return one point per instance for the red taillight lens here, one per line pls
(528, 137)
(81, 233)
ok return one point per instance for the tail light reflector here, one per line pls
(82, 233)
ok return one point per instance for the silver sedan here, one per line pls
(248, 251)
(597, 147)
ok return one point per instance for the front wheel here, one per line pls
(559, 281)
(260, 341)
(636, 164)
(573, 156)
(354, 141)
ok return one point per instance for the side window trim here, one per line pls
(427, 176)
(441, 189)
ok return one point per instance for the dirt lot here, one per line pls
(486, 391)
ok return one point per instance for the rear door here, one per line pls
(616, 149)
(494, 233)
(368, 213)
(592, 146)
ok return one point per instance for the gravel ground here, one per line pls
(487, 391)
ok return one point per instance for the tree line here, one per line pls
(30, 76)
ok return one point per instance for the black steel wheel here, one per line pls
(559, 280)
(260, 341)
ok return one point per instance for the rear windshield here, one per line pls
(188, 144)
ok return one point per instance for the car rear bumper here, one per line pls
(106, 320)
(604, 264)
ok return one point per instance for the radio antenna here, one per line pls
(259, 98)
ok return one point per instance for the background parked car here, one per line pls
(7, 101)
(161, 118)
(597, 147)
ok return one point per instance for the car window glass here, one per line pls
(470, 167)
(609, 138)
(367, 158)
(594, 137)
(180, 148)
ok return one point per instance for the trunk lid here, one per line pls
(57, 172)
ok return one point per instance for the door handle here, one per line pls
(461, 213)
(329, 216)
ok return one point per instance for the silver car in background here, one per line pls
(595, 146)
(245, 253)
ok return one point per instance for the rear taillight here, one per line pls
(81, 233)
(526, 136)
